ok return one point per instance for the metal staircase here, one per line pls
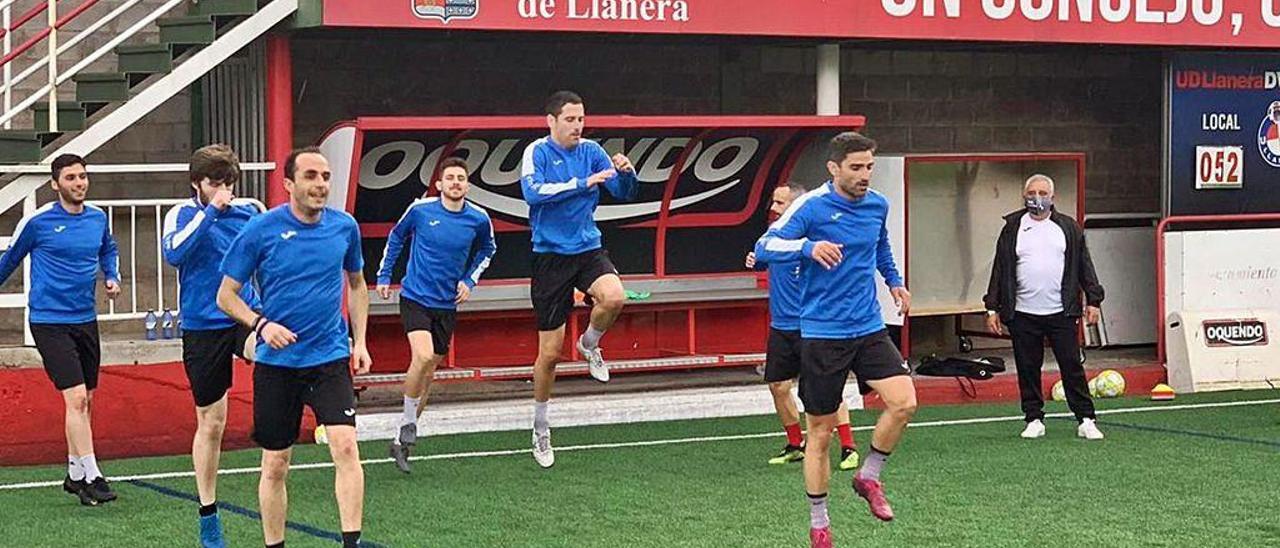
(147, 75)
(107, 103)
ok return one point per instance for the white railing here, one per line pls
(157, 209)
(131, 168)
(132, 280)
(28, 179)
(195, 65)
(50, 61)
(6, 46)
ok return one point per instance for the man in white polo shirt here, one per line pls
(1042, 267)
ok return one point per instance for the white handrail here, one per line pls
(111, 44)
(53, 65)
(132, 168)
(93, 56)
(157, 207)
(4, 5)
(28, 209)
(127, 113)
(161, 202)
(79, 37)
(8, 70)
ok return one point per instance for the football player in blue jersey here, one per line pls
(562, 177)
(303, 255)
(69, 241)
(196, 236)
(439, 277)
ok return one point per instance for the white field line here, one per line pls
(646, 443)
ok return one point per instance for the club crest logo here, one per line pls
(1269, 135)
(444, 10)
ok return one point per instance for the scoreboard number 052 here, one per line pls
(1219, 167)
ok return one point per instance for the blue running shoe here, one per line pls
(211, 532)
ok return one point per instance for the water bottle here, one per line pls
(166, 324)
(177, 325)
(150, 323)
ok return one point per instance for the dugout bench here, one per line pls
(685, 323)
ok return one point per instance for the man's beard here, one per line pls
(70, 198)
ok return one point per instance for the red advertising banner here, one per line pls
(1220, 23)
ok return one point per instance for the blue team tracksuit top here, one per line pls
(839, 303)
(784, 287)
(561, 207)
(300, 269)
(196, 238)
(442, 241)
(66, 252)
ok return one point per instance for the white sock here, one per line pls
(90, 465)
(410, 415)
(591, 337)
(540, 424)
(818, 512)
(74, 469)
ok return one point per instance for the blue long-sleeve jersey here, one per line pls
(442, 241)
(67, 250)
(561, 206)
(839, 303)
(784, 285)
(195, 239)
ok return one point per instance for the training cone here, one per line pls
(1162, 392)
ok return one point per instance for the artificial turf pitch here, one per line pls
(1207, 476)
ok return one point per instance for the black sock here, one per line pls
(209, 510)
(276, 545)
(350, 539)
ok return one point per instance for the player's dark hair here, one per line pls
(291, 163)
(557, 101)
(848, 143)
(452, 161)
(63, 161)
(217, 162)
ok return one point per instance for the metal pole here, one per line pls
(828, 80)
(53, 66)
(28, 208)
(133, 258)
(159, 261)
(279, 114)
(111, 229)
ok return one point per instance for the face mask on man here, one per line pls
(1039, 205)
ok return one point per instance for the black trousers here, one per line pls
(1028, 332)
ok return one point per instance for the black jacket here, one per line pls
(1077, 270)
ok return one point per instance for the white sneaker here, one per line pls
(1034, 429)
(1088, 430)
(595, 362)
(542, 451)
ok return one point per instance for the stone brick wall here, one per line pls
(1106, 104)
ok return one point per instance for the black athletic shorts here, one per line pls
(555, 277)
(70, 352)
(437, 321)
(782, 356)
(207, 355)
(280, 392)
(826, 364)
